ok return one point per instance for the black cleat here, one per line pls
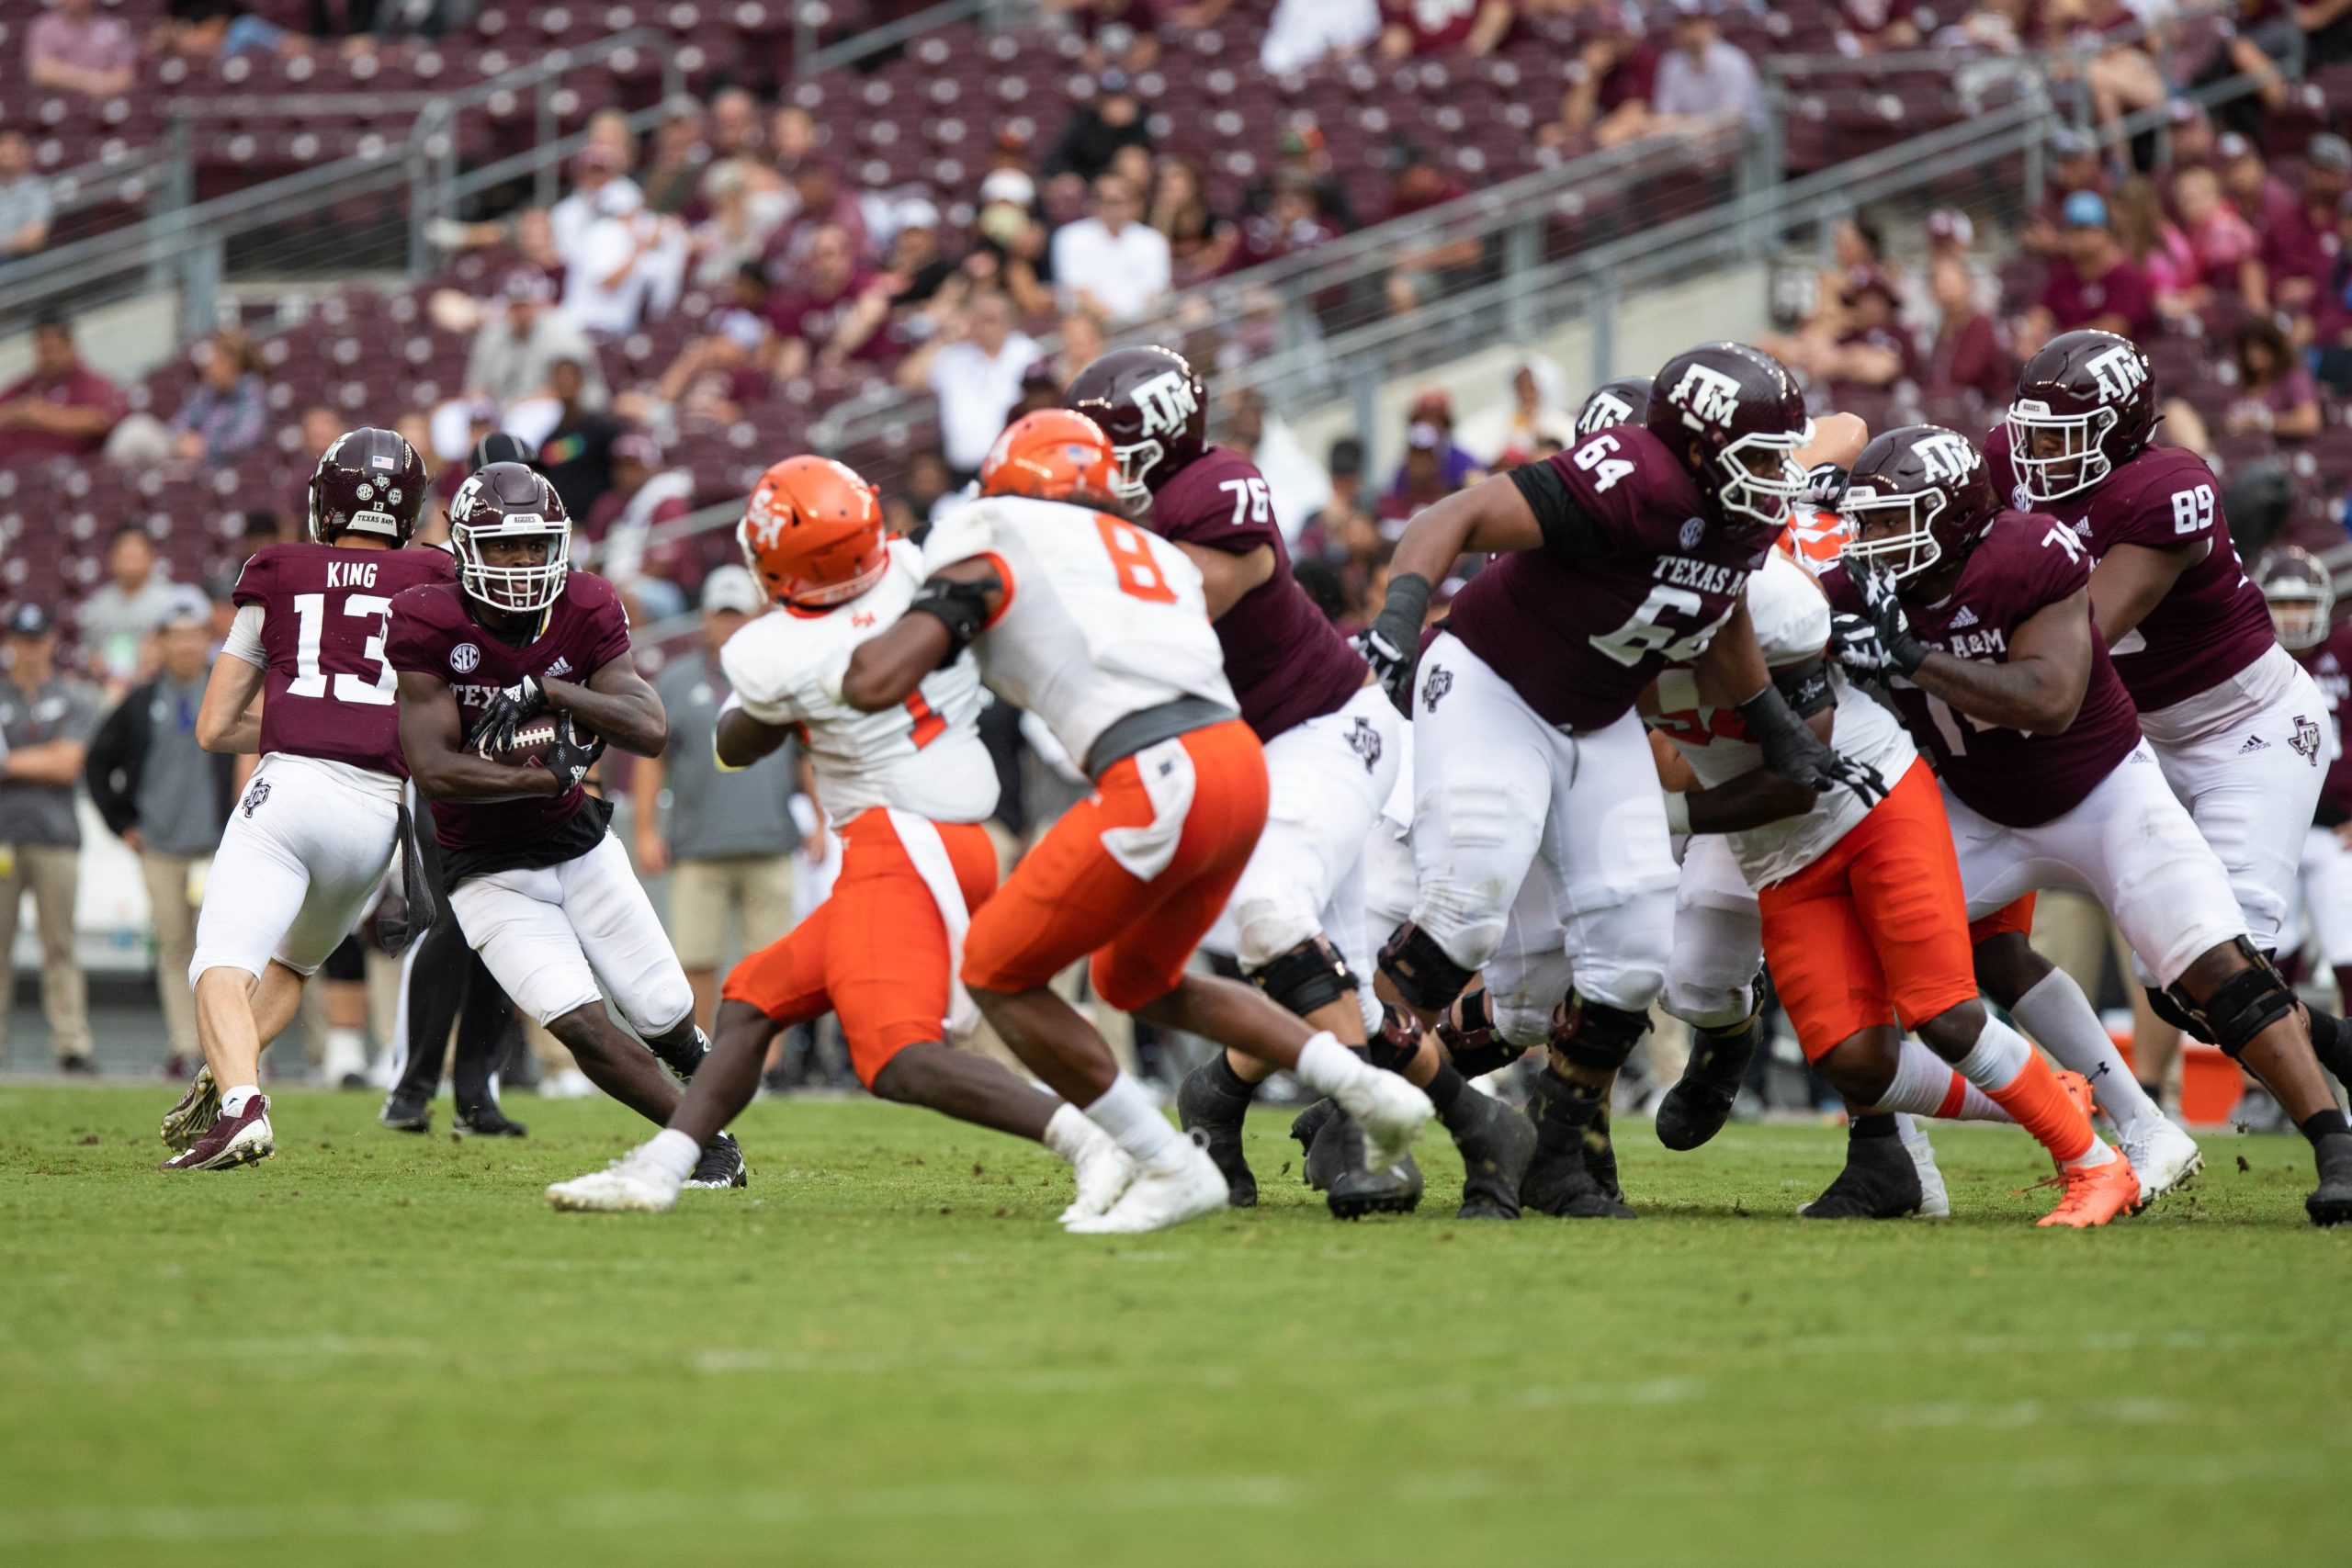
(1561, 1178)
(1335, 1166)
(721, 1165)
(1208, 1103)
(1496, 1144)
(77, 1066)
(684, 1061)
(409, 1111)
(1601, 1154)
(1880, 1182)
(2330, 1202)
(1698, 1104)
(488, 1121)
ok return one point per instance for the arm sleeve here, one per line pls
(243, 640)
(1569, 527)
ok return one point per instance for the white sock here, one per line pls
(1066, 1132)
(1999, 1054)
(1327, 1066)
(232, 1102)
(1134, 1124)
(673, 1154)
(2056, 1013)
(1922, 1086)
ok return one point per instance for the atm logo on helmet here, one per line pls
(1948, 457)
(1706, 397)
(1165, 402)
(2120, 371)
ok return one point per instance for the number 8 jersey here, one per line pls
(315, 617)
(1579, 637)
(1100, 618)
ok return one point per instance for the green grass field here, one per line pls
(383, 1349)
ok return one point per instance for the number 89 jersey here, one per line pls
(328, 690)
(1100, 619)
(1579, 636)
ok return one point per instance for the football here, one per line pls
(533, 740)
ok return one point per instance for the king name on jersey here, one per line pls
(351, 574)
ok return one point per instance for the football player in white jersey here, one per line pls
(1102, 630)
(908, 787)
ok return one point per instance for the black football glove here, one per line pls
(514, 704)
(1792, 751)
(1854, 642)
(575, 751)
(1901, 646)
(1825, 486)
(1392, 644)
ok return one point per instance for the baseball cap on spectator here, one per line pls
(916, 213)
(2330, 152)
(188, 604)
(730, 587)
(1010, 186)
(29, 619)
(528, 284)
(1951, 226)
(2085, 209)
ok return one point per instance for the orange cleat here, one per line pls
(2095, 1194)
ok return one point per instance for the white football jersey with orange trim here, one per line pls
(923, 756)
(1100, 618)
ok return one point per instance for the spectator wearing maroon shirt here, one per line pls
(2191, 142)
(2092, 283)
(2276, 394)
(808, 322)
(63, 408)
(1432, 27)
(1967, 358)
(825, 202)
(77, 50)
(1291, 222)
(2261, 197)
(2299, 245)
(1610, 89)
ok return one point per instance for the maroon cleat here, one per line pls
(230, 1140)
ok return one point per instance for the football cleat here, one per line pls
(488, 1121)
(1101, 1170)
(631, 1184)
(1560, 1178)
(2164, 1158)
(721, 1165)
(2330, 1202)
(1185, 1187)
(407, 1110)
(230, 1140)
(569, 1084)
(1390, 1111)
(1935, 1200)
(1497, 1145)
(1205, 1105)
(1695, 1109)
(2095, 1194)
(1881, 1181)
(196, 1112)
(1335, 1165)
(685, 1061)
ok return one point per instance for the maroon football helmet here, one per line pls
(1152, 406)
(509, 502)
(2086, 406)
(1625, 401)
(2302, 595)
(1733, 414)
(369, 481)
(1916, 496)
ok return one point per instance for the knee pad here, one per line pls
(1420, 971)
(2242, 1005)
(1396, 1042)
(1310, 976)
(2166, 1006)
(1594, 1035)
(1467, 1031)
(1718, 1007)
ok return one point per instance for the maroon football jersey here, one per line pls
(435, 633)
(2330, 664)
(2213, 623)
(1579, 637)
(2025, 563)
(1287, 662)
(328, 691)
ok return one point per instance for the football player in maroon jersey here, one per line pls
(1295, 924)
(309, 844)
(1980, 623)
(2237, 724)
(1540, 837)
(543, 890)
(2301, 596)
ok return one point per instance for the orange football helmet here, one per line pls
(1053, 455)
(812, 532)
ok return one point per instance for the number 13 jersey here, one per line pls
(1100, 619)
(315, 618)
(1579, 636)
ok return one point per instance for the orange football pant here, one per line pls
(1070, 897)
(875, 951)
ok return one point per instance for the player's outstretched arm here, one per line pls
(618, 704)
(1734, 661)
(956, 604)
(2131, 579)
(2040, 688)
(433, 738)
(227, 720)
(739, 740)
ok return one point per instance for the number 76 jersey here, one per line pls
(328, 691)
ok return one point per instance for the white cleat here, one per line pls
(1189, 1186)
(1390, 1111)
(630, 1184)
(569, 1084)
(1935, 1203)
(2164, 1158)
(1103, 1171)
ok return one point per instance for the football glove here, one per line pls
(574, 753)
(1392, 644)
(1902, 649)
(495, 731)
(1792, 751)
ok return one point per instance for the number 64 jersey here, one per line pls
(1577, 636)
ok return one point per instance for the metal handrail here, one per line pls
(808, 57)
